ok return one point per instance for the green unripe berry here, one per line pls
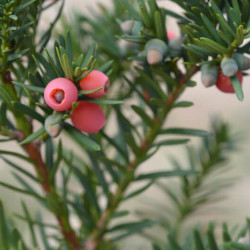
(229, 66)
(175, 45)
(53, 125)
(209, 74)
(155, 50)
(136, 28)
(242, 61)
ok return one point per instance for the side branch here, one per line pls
(33, 150)
(97, 235)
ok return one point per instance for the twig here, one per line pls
(97, 235)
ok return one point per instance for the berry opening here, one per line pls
(58, 95)
(106, 86)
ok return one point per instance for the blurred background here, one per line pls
(234, 207)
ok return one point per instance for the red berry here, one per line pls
(88, 117)
(60, 93)
(94, 80)
(224, 83)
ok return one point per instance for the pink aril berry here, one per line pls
(224, 83)
(60, 93)
(88, 117)
(170, 35)
(94, 80)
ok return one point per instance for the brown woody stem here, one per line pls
(33, 150)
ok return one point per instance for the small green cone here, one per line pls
(229, 67)
(175, 45)
(242, 61)
(53, 125)
(155, 50)
(209, 74)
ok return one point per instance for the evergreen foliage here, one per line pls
(144, 66)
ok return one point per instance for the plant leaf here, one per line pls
(186, 131)
(164, 174)
(237, 88)
(33, 136)
(80, 138)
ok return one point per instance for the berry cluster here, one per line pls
(219, 75)
(61, 93)
(156, 49)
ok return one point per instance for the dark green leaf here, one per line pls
(49, 67)
(212, 240)
(237, 88)
(28, 111)
(152, 82)
(106, 67)
(171, 142)
(85, 92)
(23, 6)
(225, 234)
(15, 56)
(57, 162)
(20, 169)
(131, 10)
(119, 149)
(238, 246)
(80, 138)
(46, 36)
(239, 38)
(132, 228)
(145, 117)
(138, 191)
(29, 87)
(225, 27)
(30, 224)
(198, 241)
(132, 143)
(120, 214)
(211, 45)
(137, 226)
(17, 238)
(173, 242)
(3, 115)
(49, 152)
(19, 190)
(164, 174)
(84, 180)
(4, 236)
(69, 47)
(186, 131)
(20, 156)
(211, 29)
(99, 173)
(103, 101)
(160, 27)
(33, 136)
(42, 232)
(144, 14)
(19, 31)
(89, 56)
(183, 104)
